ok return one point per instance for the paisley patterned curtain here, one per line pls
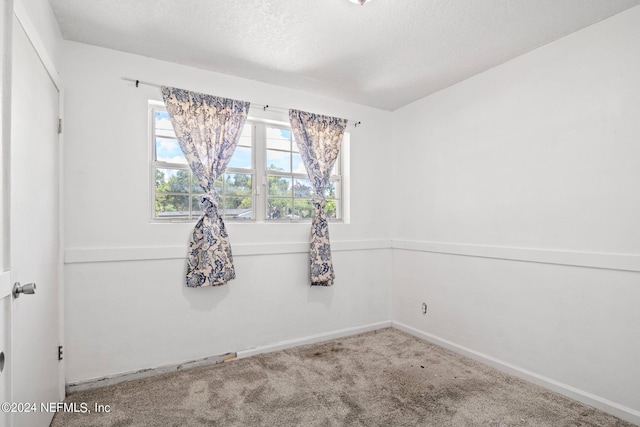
(208, 129)
(319, 138)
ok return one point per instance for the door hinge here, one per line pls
(59, 126)
(60, 352)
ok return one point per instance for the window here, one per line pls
(265, 180)
(176, 192)
(289, 190)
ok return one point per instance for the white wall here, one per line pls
(126, 305)
(41, 18)
(520, 199)
(514, 217)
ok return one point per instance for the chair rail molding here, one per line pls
(91, 255)
(611, 261)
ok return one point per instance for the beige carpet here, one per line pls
(383, 378)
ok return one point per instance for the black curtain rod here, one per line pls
(355, 123)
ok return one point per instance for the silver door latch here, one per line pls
(29, 288)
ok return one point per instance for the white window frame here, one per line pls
(259, 175)
(153, 107)
(337, 178)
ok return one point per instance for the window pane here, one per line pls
(163, 125)
(279, 209)
(278, 161)
(330, 191)
(297, 165)
(238, 184)
(303, 209)
(279, 139)
(218, 186)
(170, 206)
(294, 145)
(168, 150)
(237, 208)
(331, 208)
(195, 207)
(302, 188)
(198, 189)
(245, 136)
(279, 186)
(234, 189)
(241, 158)
(335, 170)
(172, 180)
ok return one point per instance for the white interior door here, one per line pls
(34, 226)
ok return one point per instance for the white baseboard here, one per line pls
(598, 402)
(313, 339)
(144, 373)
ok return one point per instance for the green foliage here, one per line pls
(303, 208)
(159, 178)
(246, 203)
(279, 186)
(236, 193)
(302, 189)
(286, 201)
(279, 208)
(331, 208)
(237, 185)
(172, 181)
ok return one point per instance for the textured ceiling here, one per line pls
(384, 54)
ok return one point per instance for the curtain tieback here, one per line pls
(319, 202)
(209, 203)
